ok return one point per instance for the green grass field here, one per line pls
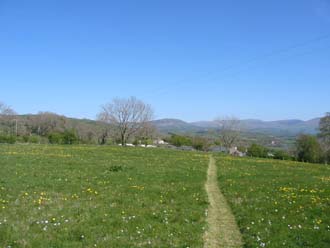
(89, 196)
(100, 196)
(278, 203)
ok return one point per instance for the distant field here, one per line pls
(89, 196)
(278, 203)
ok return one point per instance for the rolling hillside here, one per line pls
(251, 129)
(278, 128)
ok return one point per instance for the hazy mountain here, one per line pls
(277, 128)
(282, 127)
(175, 126)
(205, 124)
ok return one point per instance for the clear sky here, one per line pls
(193, 60)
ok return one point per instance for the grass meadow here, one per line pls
(101, 196)
(278, 203)
(89, 196)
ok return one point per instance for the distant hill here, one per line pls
(283, 128)
(278, 128)
(175, 126)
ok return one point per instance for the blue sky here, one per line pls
(193, 60)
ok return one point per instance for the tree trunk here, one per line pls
(123, 142)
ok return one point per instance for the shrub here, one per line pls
(178, 140)
(282, 155)
(34, 139)
(70, 137)
(257, 151)
(9, 139)
(115, 168)
(65, 138)
(201, 144)
(326, 157)
(308, 149)
(55, 138)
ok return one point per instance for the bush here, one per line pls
(8, 139)
(34, 139)
(115, 168)
(70, 137)
(55, 138)
(65, 138)
(308, 149)
(257, 151)
(282, 155)
(178, 140)
(201, 144)
(326, 157)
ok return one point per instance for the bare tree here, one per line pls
(229, 128)
(8, 122)
(127, 116)
(46, 122)
(6, 110)
(147, 132)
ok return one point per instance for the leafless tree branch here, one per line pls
(229, 128)
(127, 116)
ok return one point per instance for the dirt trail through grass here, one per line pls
(222, 228)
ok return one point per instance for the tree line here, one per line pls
(130, 120)
(120, 121)
(315, 149)
(308, 148)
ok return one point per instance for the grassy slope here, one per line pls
(81, 196)
(278, 203)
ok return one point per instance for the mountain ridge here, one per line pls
(290, 127)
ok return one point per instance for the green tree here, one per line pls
(308, 149)
(257, 151)
(327, 156)
(9, 139)
(325, 128)
(324, 136)
(178, 140)
(282, 155)
(201, 143)
(55, 138)
(69, 137)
